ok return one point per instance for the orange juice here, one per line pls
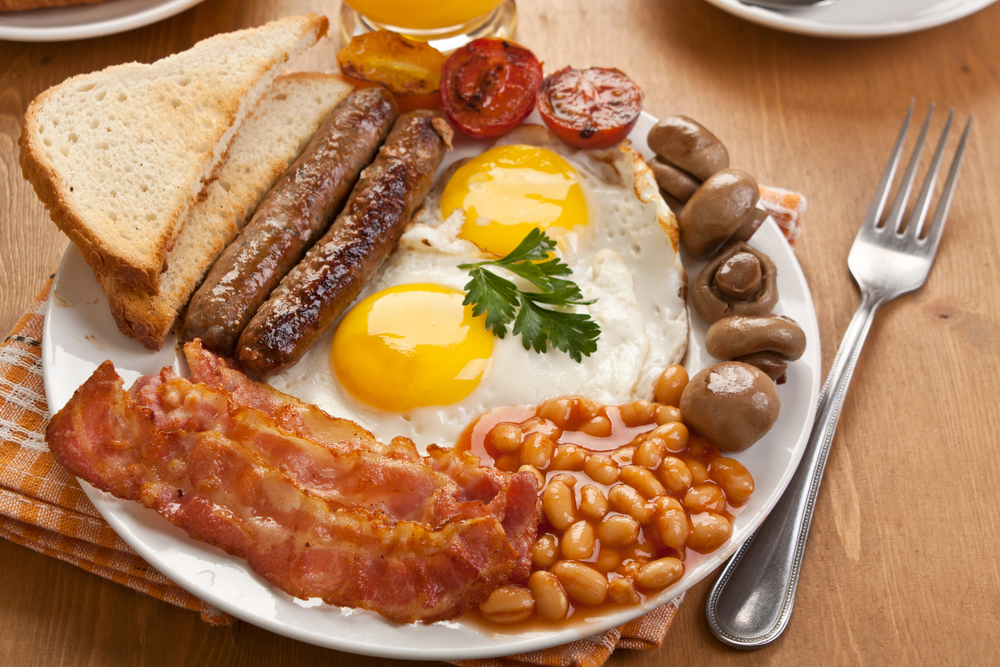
(423, 14)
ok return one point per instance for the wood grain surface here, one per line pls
(901, 566)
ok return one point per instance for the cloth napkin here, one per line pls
(43, 507)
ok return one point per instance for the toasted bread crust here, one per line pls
(268, 141)
(126, 241)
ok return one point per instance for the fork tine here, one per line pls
(941, 213)
(882, 193)
(895, 217)
(924, 199)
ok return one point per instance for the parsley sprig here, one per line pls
(502, 301)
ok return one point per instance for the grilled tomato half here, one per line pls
(488, 86)
(590, 108)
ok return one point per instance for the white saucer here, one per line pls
(54, 24)
(857, 18)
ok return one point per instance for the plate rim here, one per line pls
(772, 19)
(117, 512)
(98, 28)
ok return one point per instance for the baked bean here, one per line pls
(670, 385)
(698, 446)
(599, 426)
(704, 498)
(664, 503)
(587, 409)
(733, 477)
(699, 473)
(642, 481)
(601, 469)
(563, 478)
(673, 527)
(674, 434)
(593, 502)
(559, 505)
(667, 414)
(708, 532)
(550, 598)
(536, 472)
(660, 573)
(608, 559)
(545, 551)
(637, 414)
(558, 411)
(618, 530)
(569, 457)
(623, 455)
(507, 462)
(675, 475)
(650, 453)
(578, 541)
(622, 591)
(644, 551)
(627, 500)
(582, 583)
(537, 450)
(630, 568)
(505, 437)
(508, 604)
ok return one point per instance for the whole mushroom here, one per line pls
(723, 208)
(739, 280)
(689, 146)
(686, 155)
(767, 342)
(731, 404)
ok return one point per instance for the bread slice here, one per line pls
(267, 143)
(119, 156)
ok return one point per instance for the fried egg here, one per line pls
(409, 359)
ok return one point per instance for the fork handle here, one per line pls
(751, 602)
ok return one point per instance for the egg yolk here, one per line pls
(509, 190)
(411, 346)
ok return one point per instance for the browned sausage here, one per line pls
(296, 212)
(334, 271)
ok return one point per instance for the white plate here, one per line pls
(858, 18)
(80, 333)
(53, 24)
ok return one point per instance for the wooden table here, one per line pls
(901, 565)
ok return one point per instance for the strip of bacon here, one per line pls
(292, 415)
(511, 500)
(228, 495)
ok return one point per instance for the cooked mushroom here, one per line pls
(725, 203)
(687, 145)
(731, 404)
(766, 342)
(729, 284)
(677, 182)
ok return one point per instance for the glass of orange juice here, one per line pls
(445, 24)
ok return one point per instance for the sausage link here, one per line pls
(296, 212)
(314, 294)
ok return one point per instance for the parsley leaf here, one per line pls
(499, 298)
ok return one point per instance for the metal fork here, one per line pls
(751, 602)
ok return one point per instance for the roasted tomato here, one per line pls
(411, 70)
(488, 86)
(590, 108)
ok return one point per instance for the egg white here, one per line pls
(625, 259)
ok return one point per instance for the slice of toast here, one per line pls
(119, 156)
(269, 140)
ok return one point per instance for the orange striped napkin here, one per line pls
(43, 507)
